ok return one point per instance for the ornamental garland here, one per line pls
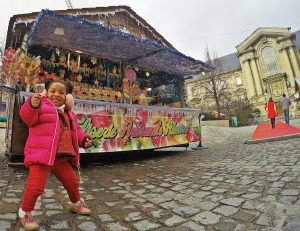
(115, 32)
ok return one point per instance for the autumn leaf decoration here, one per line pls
(19, 65)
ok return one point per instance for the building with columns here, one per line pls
(266, 64)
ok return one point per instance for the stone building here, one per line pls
(266, 64)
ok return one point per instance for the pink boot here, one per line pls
(27, 221)
(80, 207)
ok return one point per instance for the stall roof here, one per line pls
(79, 34)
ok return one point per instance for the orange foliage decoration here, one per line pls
(18, 65)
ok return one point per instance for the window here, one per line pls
(194, 91)
(241, 97)
(270, 60)
(238, 80)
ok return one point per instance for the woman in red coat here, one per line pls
(270, 107)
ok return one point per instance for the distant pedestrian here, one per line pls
(270, 107)
(52, 146)
(285, 104)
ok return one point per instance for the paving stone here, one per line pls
(245, 216)
(226, 210)
(201, 194)
(149, 186)
(53, 212)
(157, 190)
(172, 221)
(105, 217)
(288, 200)
(135, 216)
(11, 200)
(159, 213)
(116, 226)
(48, 193)
(59, 225)
(226, 226)
(215, 198)
(219, 190)
(165, 185)
(110, 204)
(251, 195)
(268, 198)
(274, 190)
(287, 179)
(159, 199)
(290, 192)
(121, 191)
(218, 179)
(266, 220)
(145, 225)
(246, 182)
(192, 226)
(234, 201)
(140, 191)
(278, 184)
(206, 218)
(91, 226)
(54, 206)
(169, 205)
(5, 225)
(273, 179)
(140, 200)
(9, 216)
(186, 211)
(206, 205)
(178, 188)
(47, 200)
(256, 189)
(206, 188)
(292, 223)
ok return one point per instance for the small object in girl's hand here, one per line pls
(39, 87)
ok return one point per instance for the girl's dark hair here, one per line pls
(70, 87)
(49, 82)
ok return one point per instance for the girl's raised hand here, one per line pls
(87, 143)
(35, 100)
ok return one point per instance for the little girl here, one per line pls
(52, 146)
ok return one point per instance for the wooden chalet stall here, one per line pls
(129, 89)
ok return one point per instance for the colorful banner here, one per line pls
(122, 127)
(118, 127)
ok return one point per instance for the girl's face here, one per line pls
(57, 94)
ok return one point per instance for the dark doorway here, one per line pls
(279, 109)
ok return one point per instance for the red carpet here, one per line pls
(265, 133)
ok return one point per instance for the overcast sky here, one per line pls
(187, 24)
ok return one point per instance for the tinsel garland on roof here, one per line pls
(94, 39)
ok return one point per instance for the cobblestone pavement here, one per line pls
(227, 186)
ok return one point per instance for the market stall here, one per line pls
(129, 91)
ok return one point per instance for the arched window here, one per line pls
(270, 61)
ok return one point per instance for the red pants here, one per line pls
(37, 178)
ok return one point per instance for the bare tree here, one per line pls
(2, 47)
(214, 82)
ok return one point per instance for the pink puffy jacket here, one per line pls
(44, 130)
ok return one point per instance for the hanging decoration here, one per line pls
(78, 62)
(57, 51)
(93, 60)
(68, 61)
(18, 65)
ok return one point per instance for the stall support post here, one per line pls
(200, 124)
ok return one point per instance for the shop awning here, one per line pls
(78, 34)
